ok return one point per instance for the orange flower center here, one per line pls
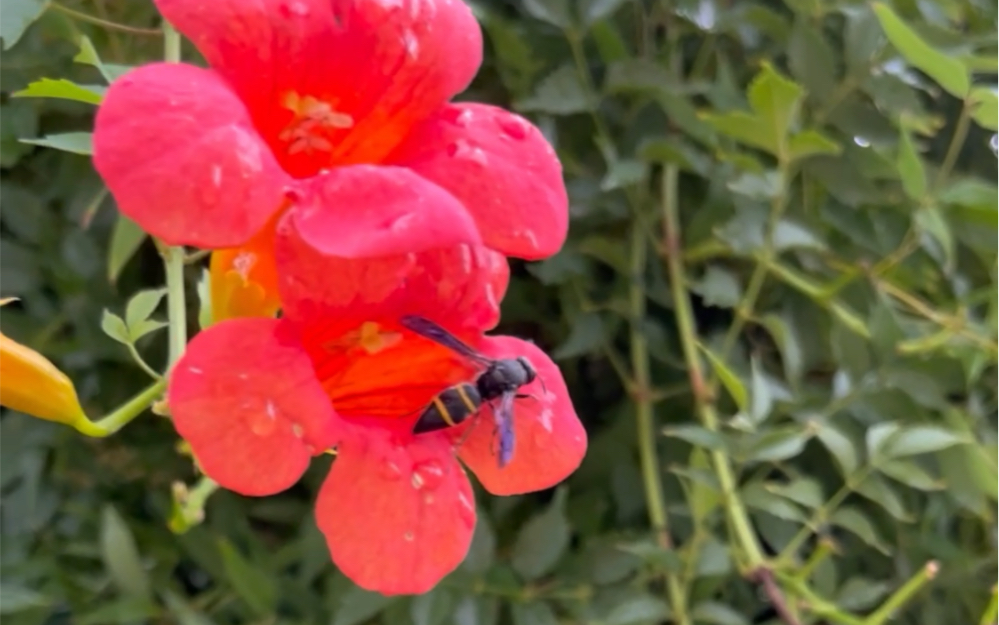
(377, 371)
(312, 123)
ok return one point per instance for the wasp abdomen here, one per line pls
(449, 408)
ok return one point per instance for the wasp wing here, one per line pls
(428, 329)
(503, 414)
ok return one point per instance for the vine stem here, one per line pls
(736, 512)
(103, 23)
(127, 411)
(174, 257)
(956, 143)
(648, 454)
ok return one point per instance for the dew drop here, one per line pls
(428, 475)
(428, 499)
(464, 118)
(262, 423)
(217, 175)
(298, 9)
(390, 471)
(195, 370)
(411, 43)
(401, 223)
(297, 430)
(994, 144)
(462, 149)
(408, 537)
(466, 259)
(862, 142)
(466, 509)
(514, 127)
(545, 419)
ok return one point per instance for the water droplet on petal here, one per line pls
(466, 509)
(411, 43)
(409, 537)
(428, 474)
(466, 258)
(401, 223)
(464, 150)
(862, 142)
(390, 471)
(514, 127)
(262, 423)
(297, 430)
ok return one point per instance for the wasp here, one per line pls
(500, 379)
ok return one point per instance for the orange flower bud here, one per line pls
(31, 384)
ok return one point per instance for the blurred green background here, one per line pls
(791, 203)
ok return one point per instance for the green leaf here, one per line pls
(806, 491)
(763, 186)
(145, 327)
(542, 540)
(253, 585)
(778, 444)
(15, 598)
(638, 609)
(910, 474)
(715, 613)
(696, 435)
(755, 496)
(183, 612)
(432, 608)
(121, 556)
(534, 613)
(559, 93)
(920, 439)
(949, 73)
(984, 103)
(74, 142)
(882, 493)
(126, 238)
(840, 447)
(88, 56)
(910, 168)
(811, 59)
(849, 319)
(718, 287)
(62, 89)
(862, 38)
(596, 10)
(811, 143)
(775, 100)
(358, 605)
(850, 518)
(142, 305)
(482, 551)
(861, 593)
(114, 326)
(729, 380)
(555, 12)
(786, 338)
(932, 222)
(743, 127)
(17, 16)
(761, 398)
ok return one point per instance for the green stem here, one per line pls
(129, 411)
(818, 605)
(736, 513)
(901, 596)
(989, 615)
(189, 504)
(956, 143)
(139, 360)
(173, 258)
(646, 422)
(171, 43)
(745, 307)
(90, 19)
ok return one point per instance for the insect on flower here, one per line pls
(501, 379)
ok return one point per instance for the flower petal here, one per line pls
(335, 81)
(245, 397)
(244, 281)
(178, 151)
(424, 262)
(366, 211)
(502, 168)
(550, 440)
(398, 512)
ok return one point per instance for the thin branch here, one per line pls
(90, 19)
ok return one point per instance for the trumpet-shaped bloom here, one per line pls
(257, 397)
(206, 157)
(31, 384)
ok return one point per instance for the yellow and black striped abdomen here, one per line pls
(452, 406)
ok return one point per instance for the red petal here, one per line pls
(398, 513)
(245, 397)
(375, 67)
(367, 211)
(550, 440)
(502, 168)
(427, 270)
(178, 152)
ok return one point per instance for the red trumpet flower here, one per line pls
(257, 398)
(204, 157)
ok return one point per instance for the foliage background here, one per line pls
(843, 285)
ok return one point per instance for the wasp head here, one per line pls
(530, 373)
